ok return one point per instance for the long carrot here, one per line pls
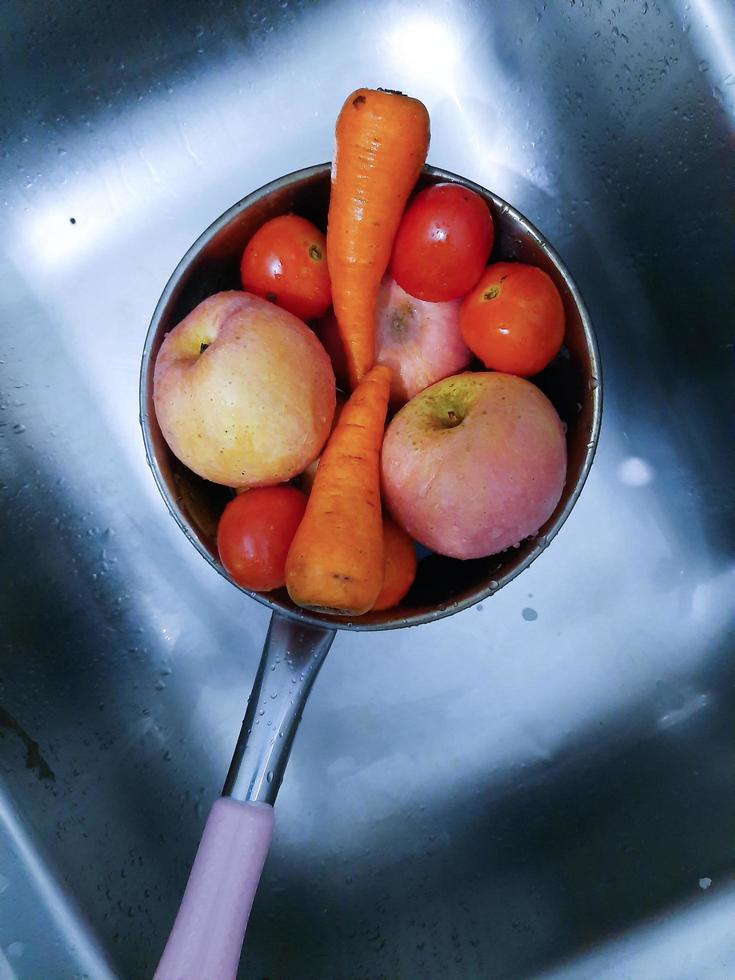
(382, 141)
(335, 563)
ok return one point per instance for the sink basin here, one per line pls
(540, 786)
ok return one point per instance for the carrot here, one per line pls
(399, 563)
(335, 563)
(306, 480)
(382, 141)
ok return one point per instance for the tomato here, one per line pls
(442, 243)
(513, 319)
(286, 262)
(255, 533)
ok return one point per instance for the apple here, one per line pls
(421, 342)
(474, 464)
(244, 392)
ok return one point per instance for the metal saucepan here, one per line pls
(206, 939)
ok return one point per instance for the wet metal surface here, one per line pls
(540, 787)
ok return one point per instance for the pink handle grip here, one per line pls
(206, 939)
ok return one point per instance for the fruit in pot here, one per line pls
(421, 342)
(443, 242)
(254, 534)
(513, 319)
(244, 392)
(286, 262)
(474, 464)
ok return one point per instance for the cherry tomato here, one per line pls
(286, 262)
(255, 533)
(513, 319)
(442, 243)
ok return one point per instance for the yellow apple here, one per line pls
(244, 392)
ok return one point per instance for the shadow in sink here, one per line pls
(539, 862)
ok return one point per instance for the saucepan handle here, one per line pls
(207, 936)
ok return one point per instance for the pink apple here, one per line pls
(243, 391)
(420, 341)
(474, 464)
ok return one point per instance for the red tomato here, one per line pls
(255, 533)
(442, 243)
(513, 319)
(286, 262)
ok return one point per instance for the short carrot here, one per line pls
(335, 563)
(382, 138)
(399, 564)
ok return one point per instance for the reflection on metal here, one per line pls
(712, 24)
(289, 665)
(44, 898)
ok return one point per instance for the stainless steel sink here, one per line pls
(543, 786)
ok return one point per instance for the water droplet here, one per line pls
(274, 695)
(494, 584)
(704, 884)
(19, 428)
(261, 712)
(529, 614)
(269, 776)
(16, 950)
(479, 607)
